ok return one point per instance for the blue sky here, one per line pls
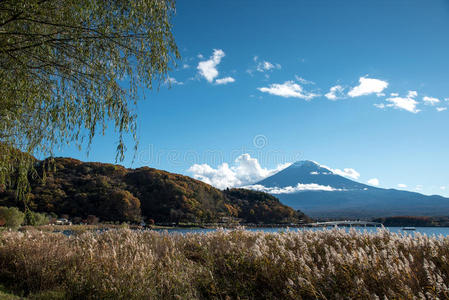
(257, 79)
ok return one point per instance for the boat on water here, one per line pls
(408, 228)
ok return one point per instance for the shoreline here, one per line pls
(105, 227)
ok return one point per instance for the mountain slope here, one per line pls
(115, 193)
(310, 172)
(335, 196)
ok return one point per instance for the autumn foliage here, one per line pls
(67, 186)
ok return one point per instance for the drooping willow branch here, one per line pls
(62, 70)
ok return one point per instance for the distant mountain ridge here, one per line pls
(310, 172)
(115, 193)
(345, 197)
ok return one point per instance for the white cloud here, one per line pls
(224, 80)
(246, 170)
(402, 186)
(173, 81)
(412, 94)
(288, 89)
(379, 105)
(185, 66)
(368, 86)
(407, 103)
(430, 100)
(314, 173)
(346, 172)
(263, 66)
(394, 94)
(443, 188)
(373, 181)
(208, 68)
(290, 189)
(440, 109)
(335, 93)
(303, 80)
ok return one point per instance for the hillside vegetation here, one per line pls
(417, 221)
(115, 193)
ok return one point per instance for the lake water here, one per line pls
(423, 230)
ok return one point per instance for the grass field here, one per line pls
(127, 264)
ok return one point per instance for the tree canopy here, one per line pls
(70, 67)
(11, 217)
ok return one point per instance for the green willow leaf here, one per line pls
(70, 67)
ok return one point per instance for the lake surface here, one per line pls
(423, 230)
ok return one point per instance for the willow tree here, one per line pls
(70, 67)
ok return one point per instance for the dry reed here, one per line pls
(126, 264)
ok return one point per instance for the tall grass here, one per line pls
(125, 264)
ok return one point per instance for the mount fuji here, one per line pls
(319, 192)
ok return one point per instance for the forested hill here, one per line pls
(115, 193)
